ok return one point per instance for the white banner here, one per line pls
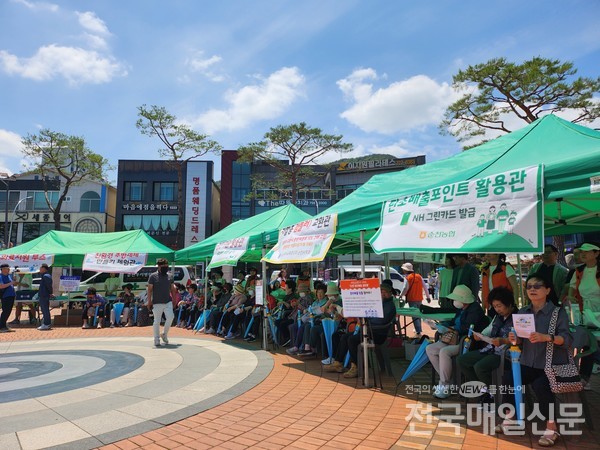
(114, 262)
(361, 298)
(228, 253)
(305, 241)
(259, 292)
(68, 283)
(499, 213)
(26, 263)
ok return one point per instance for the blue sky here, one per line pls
(378, 72)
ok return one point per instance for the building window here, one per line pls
(90, 202)
(134, 191)
(165, 191)
(37, 202)
(88, 225)
(13, 199)
(35, 230)
(154, 224)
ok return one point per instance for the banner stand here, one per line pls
(363, 321)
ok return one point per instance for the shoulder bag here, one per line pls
(562, 377)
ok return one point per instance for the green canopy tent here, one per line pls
(569, 152)
(262, 230)
(70, 248)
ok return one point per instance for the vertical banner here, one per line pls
(498, 213)
(196, 197)
(307, 241)
(229, 252)
(114, 262)
(361, 298)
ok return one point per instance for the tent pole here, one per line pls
(264, 310)
(520, 286)
(386, 263)
(362, 320)
(205, 293)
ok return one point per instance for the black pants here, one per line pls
(536, 378)
(349, 342)
(45, 307)
(7, 306)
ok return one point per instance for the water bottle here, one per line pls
(467, 341)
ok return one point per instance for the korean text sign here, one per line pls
(496, 213)
(304, 241)
(115, 262)
(229, 252)
(361, 298)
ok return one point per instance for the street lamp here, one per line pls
(12, 218)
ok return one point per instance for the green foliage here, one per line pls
(292, 150)
(180, 142)
(52, 153)
(498, 88)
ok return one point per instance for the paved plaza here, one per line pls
(111, 389)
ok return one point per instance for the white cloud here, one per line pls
(266, 100)
(38, 6)
(76, 65)
(205, 66)
(10, 143)
(92, 23)
(404, 105)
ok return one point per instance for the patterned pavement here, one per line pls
(214, 394)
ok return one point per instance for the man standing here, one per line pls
(414, 286)
(465, 273)
(7, 286)
(160, 290)
(552, 271)
(44, 295)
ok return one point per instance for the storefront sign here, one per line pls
(39, 217)
(196, 196)
(499, 213)
(372, 164)
(114, 262)
(361, 298)
(305, 241)
(148, 207)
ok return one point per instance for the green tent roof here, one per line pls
(570, 154)
(69, 248)
(262, 230)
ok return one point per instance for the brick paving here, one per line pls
(299, 407)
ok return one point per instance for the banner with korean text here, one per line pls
(500, 213)
(229, 252)
(114, 262)
(26, 263)
(307, 241)
(361, 298)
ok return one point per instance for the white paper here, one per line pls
(483, 337)
(524, 325)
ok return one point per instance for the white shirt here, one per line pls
(588, 289)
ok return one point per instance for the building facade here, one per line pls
(147, 198)
(88, 207)
(239, 201)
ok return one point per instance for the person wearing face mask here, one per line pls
(440, 354)
(160, 291)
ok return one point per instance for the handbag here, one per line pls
(562, 377)
(450, 337)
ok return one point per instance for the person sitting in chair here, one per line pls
(93, 302)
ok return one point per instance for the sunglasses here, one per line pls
(535, 286)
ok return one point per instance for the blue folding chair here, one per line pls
(118, 309)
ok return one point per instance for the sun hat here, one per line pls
(588, 247)
(239, 289)
(408, 267)
(216, 287)
(332, 288)
(462, 293)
